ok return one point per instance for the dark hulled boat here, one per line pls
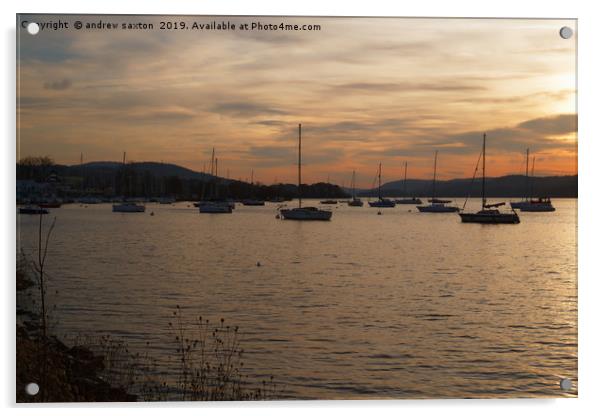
(489, 214)
(304, 213)
(381, 202)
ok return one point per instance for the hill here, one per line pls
(503, 186)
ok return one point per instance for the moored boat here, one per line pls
(381, 202)
(50, 204)
(33, 210)
(128, 207)
(538, 205)
(405, 200)
(489, 214)
(437, 206)
(304, 213)
(253, 202)
(355, 201)
(214, 207)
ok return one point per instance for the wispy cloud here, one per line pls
(58, 85)
(366, 91)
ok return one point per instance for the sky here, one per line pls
(366, 90)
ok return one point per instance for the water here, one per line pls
(401, 305)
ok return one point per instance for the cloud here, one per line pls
(245, 109)
(58, 85)
(554, 125)
(366, 90)
(445, 85)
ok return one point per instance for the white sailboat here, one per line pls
(437, 206)
(405, 200)
(489, 214)
(525, 201)
(128, 206)
(302, 213)
(214, 205)
(541, 204)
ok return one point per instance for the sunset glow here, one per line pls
(366, 91)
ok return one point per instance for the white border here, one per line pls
(590, 68)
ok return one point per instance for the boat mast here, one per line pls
(299, 167)
(532, 175)
(379, 173)
(435, 175)
(405, 179)
(527, 176)
(483, 203)
(125, 180)
(353, 185)
(81, 170)
(216, 181)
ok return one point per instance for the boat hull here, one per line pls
(413, 201)
(50, 205)
(302, 214)
(129, 208)
(253, 203)
(490, 218)
(215, 208)
(33, 210)
(537, 208)
(356, 203)
(437, 209)
(383, 203)
(519, 205)
(533, 206)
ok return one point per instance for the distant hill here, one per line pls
(155, 168)
(503, 186)
(158, 178)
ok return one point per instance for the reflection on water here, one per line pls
(402, 305)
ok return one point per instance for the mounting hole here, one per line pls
(32, 389)
(566, 384)
(566, 32)
(33, 28)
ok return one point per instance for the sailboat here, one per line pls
(355, 201)
(382, 202)
(489, 214)
(541, 204)
(128, 206)
(33, 210)
(253, 202)
(525, 201)
(405, 200)
(214, 205)
(304, 213)
(437, 205)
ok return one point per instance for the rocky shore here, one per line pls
(64, 374)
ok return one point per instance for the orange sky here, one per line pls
(366, 90)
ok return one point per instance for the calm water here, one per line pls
(402, 305)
